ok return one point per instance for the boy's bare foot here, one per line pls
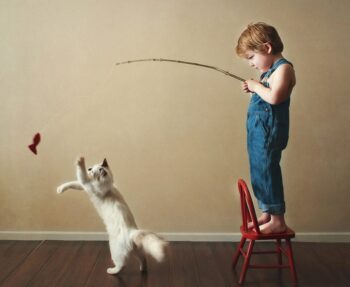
(264, 218)
(275, 225)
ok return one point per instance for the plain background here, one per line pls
(174, 135)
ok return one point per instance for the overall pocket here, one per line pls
(263, 124)
(280, 133)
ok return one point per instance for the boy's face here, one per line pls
(259, 61)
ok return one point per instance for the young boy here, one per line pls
(268, 119)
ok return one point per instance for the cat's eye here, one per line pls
(89, 169)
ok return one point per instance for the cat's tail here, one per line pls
(150, 243)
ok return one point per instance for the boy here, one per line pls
(268, 119)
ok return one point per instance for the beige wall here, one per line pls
(174, 135)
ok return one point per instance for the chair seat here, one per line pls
(253, 235)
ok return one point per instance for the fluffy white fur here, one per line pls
(124, 236)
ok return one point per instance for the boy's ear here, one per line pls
(268, 48)
(105, 163)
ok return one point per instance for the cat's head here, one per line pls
(101, 174)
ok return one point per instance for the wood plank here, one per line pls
(328, 256)
(81, 265)
(183, 271)
(187, 264)
(31, 265)
(222, 254)
(343, 251)
(310, 270)
(4, 245)
(12, 255)
(208, 271)
(58, 266)
(129, 276)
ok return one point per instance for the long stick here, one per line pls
(183, 62)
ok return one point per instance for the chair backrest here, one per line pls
(247, 207)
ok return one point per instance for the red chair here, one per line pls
(254, 234)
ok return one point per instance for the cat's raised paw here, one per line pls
(81, 161)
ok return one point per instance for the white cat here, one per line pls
(124, 236)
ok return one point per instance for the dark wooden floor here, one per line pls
(66, 263)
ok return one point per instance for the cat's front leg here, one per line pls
(82, 175)
(69, 185)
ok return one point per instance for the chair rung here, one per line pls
(284, 252)
(255, 266)
(243, 253)
(265, 252)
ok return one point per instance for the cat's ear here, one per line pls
(105, 163)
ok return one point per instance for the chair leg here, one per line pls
(246, 261)
(291, 261)
(279, 252)
(238, 252)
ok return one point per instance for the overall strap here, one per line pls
(275, 65)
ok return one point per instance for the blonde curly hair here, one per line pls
(254, 38)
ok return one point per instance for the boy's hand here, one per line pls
(244, 86)
(249, 86)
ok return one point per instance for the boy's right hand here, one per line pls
(244, 86)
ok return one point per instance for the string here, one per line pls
(227, 73)
(59, 113)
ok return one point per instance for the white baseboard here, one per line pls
(199, 237)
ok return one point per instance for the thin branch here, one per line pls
(183, 62)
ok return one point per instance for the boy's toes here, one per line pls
(269, 228)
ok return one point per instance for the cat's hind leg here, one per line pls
(141, 258)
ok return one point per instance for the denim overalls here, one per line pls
(267, 131)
